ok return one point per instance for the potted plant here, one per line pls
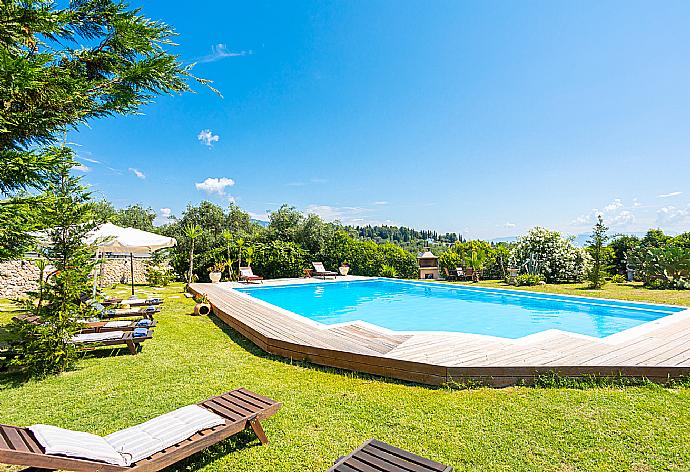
(344, 268)
(202, 307)
(216, 272)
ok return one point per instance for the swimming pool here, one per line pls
(415, 306)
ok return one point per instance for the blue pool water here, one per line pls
(410, 306)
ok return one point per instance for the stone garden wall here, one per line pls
(19, 277)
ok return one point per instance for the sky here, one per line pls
(484, 118)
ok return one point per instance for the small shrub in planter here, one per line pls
(528, 280)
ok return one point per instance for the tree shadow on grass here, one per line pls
(16, 378)
(253, 349)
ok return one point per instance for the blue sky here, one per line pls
(485, 118)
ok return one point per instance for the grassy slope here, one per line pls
(328, 413)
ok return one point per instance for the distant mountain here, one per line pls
(579, 241)
(259, 222)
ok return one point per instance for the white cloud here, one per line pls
(614, 205)
(82, 168)
(88, 159)
(215, 185)
(671, 215)
(318, 180)
(346, 215)
(207, 137)
(137, 172)
(670, 194)
(623, 218)
(163, 217)
(614, 214)
(220, 51)
(259, 216)
(381, 202)
(510, 225)
(295, 184)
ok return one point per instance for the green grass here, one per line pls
(326, 413)
(627, 291)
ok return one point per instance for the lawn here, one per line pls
(326, 413)
(626, 291)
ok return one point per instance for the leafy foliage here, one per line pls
(48, 86)
(528, 280)
(134, 216)
(277, 258)
(596, 275)
(546, 253)
(46, 348)
(663, 267)
(388, 271)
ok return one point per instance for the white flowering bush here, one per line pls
(548, 254)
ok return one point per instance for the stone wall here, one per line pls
(19, 277)
(117, 271)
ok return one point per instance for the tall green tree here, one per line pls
(46, 348)
(59, 68)
(597, 272)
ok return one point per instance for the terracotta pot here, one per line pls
(215, 277)
(202, 309)
(344, 270)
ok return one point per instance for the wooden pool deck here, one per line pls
(656, 352)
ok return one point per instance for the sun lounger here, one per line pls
(98, 326)
(112, 338)
(132, 302)
(248, 276)
(320, 271)
(232, 413)
(146, 312)
(377, 456)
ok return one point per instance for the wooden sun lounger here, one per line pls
(247, 275)
(91, 326)
(320, 271)
(240, 408)
(146, 312)
(128, 339)
(377, 456)
(130, 302)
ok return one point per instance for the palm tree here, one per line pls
(227, 236)
(476, 262)
(240, 245)
(192, 231)
(250, 255)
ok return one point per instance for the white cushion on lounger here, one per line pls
(117, 324)
(96, 337)
(144, 440)
(65, 442)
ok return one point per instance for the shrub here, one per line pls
(388, 271)
(159, 276)
(402, 261)
(548, 254)
(277, 259)
(618, 279)
(449, 260)
(663, 267)
(528, 280)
